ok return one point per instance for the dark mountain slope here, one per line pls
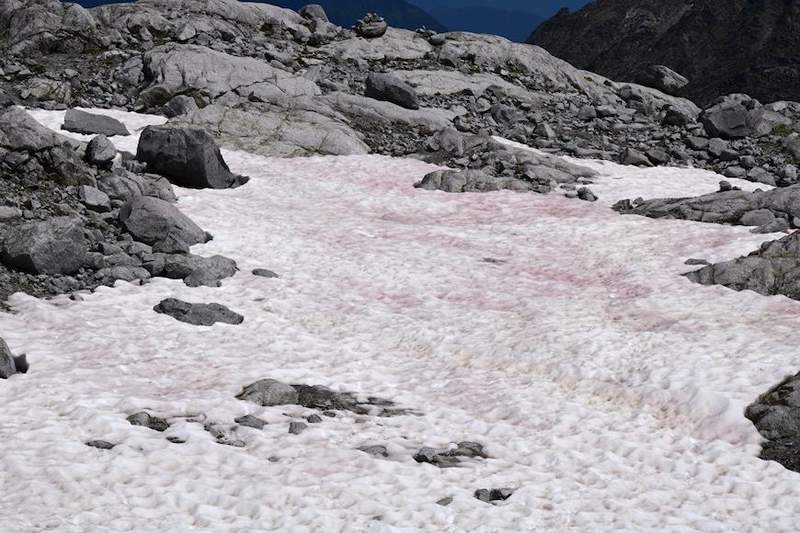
(722, 46)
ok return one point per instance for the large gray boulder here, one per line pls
(391, 89)
(78, 121)
(186, 156)
(152, 220)
(729, 116)
(198, 314)
(54, 246)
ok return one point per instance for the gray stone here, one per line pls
(585, 194)
(726, 120)
(54, 246)
(269, 392)
(264, 273)
(313, 11)
(635, 158)
(391, 89)
(78, 121)
(758, 217)
(186, 156)
(295, 428)
(491, 495)
(100, 444)
(664, 79)
(100, 152)
(179, 105)
(152, 220)
(657, 156)
(149, 421)
(251, 421)
(198, 314)
(94, 199)
(375, 449)
(208, 271)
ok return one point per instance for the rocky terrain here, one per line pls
(101, 201)
(701, 40)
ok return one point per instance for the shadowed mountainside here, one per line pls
(722, 46)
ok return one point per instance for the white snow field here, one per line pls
(607, 389)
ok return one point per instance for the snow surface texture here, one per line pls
(607, 389)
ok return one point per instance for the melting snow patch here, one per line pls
(607, 390)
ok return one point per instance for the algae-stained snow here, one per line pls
(607, 389)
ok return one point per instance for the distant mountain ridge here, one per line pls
(722, 46)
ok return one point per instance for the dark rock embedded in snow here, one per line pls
(375, 449)
(493, 495)
(54, 246)
(391, 89)
(450, 457)
(198, 314)
(444, 502)
(194, 270)
(149, 421)
(78, 121)
(776, 415)
(295, 428)
(251, 421)
(188, 157)
(152, 220)
(264, 273)
(314, 419)
(269, 392)
(100, 444)
(224, 435)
